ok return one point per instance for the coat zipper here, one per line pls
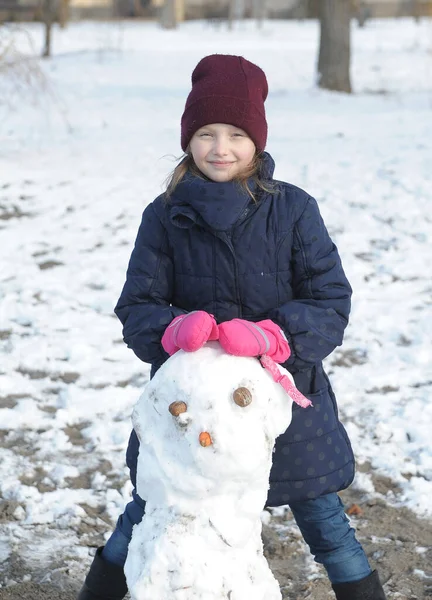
(226, 238)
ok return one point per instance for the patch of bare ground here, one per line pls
(397, 542)
(36, 591)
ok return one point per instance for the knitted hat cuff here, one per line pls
(224, 109)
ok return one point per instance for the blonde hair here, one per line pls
(187, 165)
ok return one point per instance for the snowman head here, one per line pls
(208, 419)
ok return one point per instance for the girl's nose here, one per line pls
(205, 439)
(220, 147)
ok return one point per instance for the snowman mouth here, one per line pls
(219, 533)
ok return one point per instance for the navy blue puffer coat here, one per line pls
(210, 247)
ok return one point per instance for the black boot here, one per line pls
(369, 588)
(105, 581)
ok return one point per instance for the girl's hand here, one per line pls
(189, 332)
(244, 338)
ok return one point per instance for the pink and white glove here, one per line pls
(265, 340)
(189, 332)
(244, 338)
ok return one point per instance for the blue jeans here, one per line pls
(327, 531)
(322, 521)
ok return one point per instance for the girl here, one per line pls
(227, 239)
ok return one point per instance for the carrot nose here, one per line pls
(205, 439)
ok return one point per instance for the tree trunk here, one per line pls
(335, 45)
(180, 9)
(48, 10)
(137, 8)
(63, 16)
(168, 15)
(415, 10)
(236, 10)
(259, 11)
(362, 12)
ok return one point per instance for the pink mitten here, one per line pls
(244, 338)
(189, 332)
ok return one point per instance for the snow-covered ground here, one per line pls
(79, 162)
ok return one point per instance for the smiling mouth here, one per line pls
(220, 163)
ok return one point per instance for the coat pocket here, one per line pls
(314, 421)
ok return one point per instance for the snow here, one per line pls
(421, 574)
(80, 159)
(201, 531)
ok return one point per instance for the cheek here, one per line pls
(198, 152)
(198, 156)
(248, 153)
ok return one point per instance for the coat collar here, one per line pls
(219, 206)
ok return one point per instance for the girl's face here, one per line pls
(221, 151)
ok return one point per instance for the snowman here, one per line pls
(207, 423)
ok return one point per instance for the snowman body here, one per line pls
(203, 470)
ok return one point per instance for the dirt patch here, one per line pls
(67, 377)
(38, 479)
(386, 389)
(81, 482)
(34, 591)
(74, 433)
(349, 358)
(12, 212)
(11, 400)
(93, 526)
(33, 373)
(49, 264)
(48, 409)
(8, 511)
(17, 441)
(397, 543)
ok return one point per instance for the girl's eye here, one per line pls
(238, 135)
(205, 134)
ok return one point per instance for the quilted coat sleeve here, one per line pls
(144, 305)
(316, 318)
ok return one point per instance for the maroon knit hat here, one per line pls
(226, 89)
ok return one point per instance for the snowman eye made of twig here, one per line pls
(177, 408)
(242, 397)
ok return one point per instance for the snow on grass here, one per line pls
(78, 166)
